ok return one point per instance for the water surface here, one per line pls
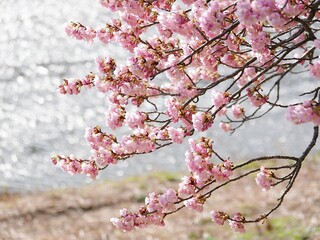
(37, 123)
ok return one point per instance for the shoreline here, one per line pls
(84, 213)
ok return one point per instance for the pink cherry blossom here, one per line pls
(222, 172)
(152, 203)
(112, 4)
(237, 111)
(80, 32)
(176, 21)
(211, 20)
(194, 204)
(236, 224)
(106, 34)
(106, 65)
(90, 169)
(136, 120)
(188, 2)
(176, 134)
(126, 222)
(173, 107)
(306, 112)
(127, 38)
(245, 12)
(218, 217)
(247, 76)
(225, 126)
(255, 98)
(74, 86)
(264, 179)
(220, 98)
(315, 69)
(75, 165)
(115, 116)
(167, 200)
(202, 121)
(187, 187)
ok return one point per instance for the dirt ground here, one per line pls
(84, 213)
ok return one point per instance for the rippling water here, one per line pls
(37, 123)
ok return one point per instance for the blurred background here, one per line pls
(37, 123)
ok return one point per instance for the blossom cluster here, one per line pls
(190, 191)
(309, 111)
(74, 86)
(80, 32)
(264, 179)
(175, 54)
(107, 149)
(236, 223)
(156, 205)
(74, 165)
(198, 162)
